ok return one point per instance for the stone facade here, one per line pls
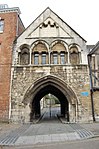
(50, 57)
(8, 33)
(76, 77)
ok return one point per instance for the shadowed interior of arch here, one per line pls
(49, 89)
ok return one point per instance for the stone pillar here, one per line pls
(40, 58)
(49, 58)
(27, 112)
(68, 58)
(30, 56)
(19, 59)
(71, 113)
(80, 58)
(58, 58)
(76, 114)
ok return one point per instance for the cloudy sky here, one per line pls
(81, 15)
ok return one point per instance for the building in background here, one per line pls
(93, 62)
(11, 26)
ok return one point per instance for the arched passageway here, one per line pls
(49, 89)
(51, 85)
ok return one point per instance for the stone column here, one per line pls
(71, 113)
(40, 58)
(59, 58)
(27, 112)
(49, 58)
(68, 58)
(80, 58)
(30, 56)
(19, 59)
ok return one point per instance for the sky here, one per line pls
(81, 15)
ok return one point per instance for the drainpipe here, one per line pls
(91, 87)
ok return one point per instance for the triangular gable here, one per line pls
(49, 28)
(46, 14)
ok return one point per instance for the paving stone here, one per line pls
(45, 132)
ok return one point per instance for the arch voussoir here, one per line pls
(50, 80)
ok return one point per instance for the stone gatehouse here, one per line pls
(50, 57)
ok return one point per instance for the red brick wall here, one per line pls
(20, 26)
(6, 41)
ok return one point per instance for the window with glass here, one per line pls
(1, 25)
(62, 57)
(43, 58)
(36, 58)
(55, 58)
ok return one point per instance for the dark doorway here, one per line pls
(54, 91)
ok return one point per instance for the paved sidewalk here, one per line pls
(25, 140)
(93, 127)
(7, 127)
(48, 130)
(11, 134)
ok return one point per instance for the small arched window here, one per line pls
(74, 55)
(58, 53)
(24, 56)
(39, 54)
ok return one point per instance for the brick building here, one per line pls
(10, 27)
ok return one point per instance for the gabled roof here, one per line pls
(94, 49)
(48, 13)
(90, 47)
(67, 24)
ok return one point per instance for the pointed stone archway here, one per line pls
(57, 87)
